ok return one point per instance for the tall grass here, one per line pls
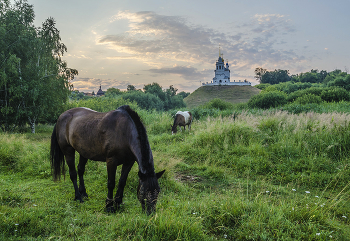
(269, 175)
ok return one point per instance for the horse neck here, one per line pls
(176, 120)
(142, 150)
(146, 165)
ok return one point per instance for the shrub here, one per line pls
(335, 94)
(218, 104)
(267, 100)
(144, 100)
(309, 91)
(308, 98)
(262, 86)
(297, 108)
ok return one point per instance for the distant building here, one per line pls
(222, 74)
(100, 92)
(88, 94)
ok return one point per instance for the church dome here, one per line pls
(100, 92)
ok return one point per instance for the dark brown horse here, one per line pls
(118, 138)
(182, 118)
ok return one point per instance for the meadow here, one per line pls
(237, 175)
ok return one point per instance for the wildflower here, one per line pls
(293, 190)
(307, 191)
(330, 236)
(225, 236)
(16, 224)
(318, 234)
(293, 209)
(317, 196)
(267, 191)
(35, 205)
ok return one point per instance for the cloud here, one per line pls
(162, 41)
(154, 36)
(93, 84)
(188, 73)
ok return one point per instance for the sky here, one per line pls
(176, 42)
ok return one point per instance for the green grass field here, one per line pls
(265, 176)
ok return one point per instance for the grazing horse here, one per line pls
(118, 138)
(182, 118)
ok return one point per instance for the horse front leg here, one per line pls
(111, 170)
(122, 182)
(81, 170)
(70, 159)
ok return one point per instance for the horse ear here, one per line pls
(159, 174)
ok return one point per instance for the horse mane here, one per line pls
(145, 147)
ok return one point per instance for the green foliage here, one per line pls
(288, 87)
(130, 88)
(218, 104)
(184, 94)
(34, 83)
(335, 94)
(76, 95)
(113, 92)
(308, 98)
(266, 100)
(297, 108)
(144, 100)
(308, 91)
(262, 86)
(275, 77)
(168, 96)
(202, 113)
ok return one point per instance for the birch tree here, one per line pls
(34, 80)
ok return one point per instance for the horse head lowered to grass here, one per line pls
(118, 138)
(182, 118)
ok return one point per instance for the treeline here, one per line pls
(333, 78)
(151, 97)
(308, 88)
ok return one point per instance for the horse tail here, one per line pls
(56, 157)
(141, 130)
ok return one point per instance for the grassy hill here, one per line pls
(232, 94)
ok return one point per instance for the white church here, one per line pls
(222, 74)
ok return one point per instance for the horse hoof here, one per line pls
(119, 206)
(79, 199)
(110, 210)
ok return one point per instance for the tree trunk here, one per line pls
(32, 124)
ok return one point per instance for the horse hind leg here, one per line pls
(111, 170)
(70, 159)
(81, 170)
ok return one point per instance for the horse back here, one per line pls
(184, 117)
(92, 134)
